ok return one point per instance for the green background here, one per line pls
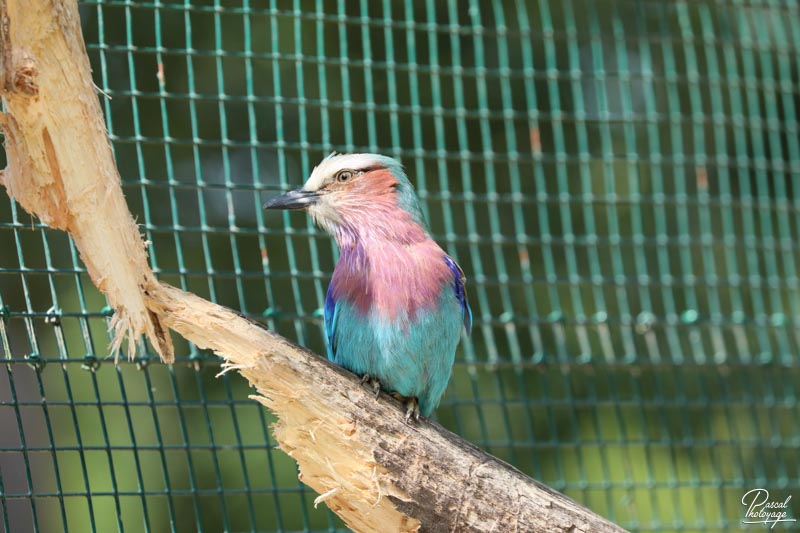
(619, 179)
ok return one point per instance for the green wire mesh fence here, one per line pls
(620, 180)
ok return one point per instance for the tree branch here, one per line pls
(372, 469)
(375, 471)
(60, 164)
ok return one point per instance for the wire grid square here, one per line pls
(619, 180)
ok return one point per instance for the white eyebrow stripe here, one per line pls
(326, 170)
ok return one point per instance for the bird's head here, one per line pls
(351, 192)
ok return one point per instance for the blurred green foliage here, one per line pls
(620, 180)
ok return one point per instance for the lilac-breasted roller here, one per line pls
(396, 302)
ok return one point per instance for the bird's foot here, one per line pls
(374, 384)
(412, 407)
(412, 410)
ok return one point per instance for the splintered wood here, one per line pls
(60, 164)
(324, 435)
(372, 469)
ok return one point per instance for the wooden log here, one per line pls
(370, 467)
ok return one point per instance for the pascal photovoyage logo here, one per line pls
(760, 509)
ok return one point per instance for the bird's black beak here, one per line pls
(297, 199)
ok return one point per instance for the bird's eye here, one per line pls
(344, 175)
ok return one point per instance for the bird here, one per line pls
(396, 303)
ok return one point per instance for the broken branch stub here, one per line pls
(60, 163)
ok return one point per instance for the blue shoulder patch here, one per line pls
(331, 312)
(460, 289)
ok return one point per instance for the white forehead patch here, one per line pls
(325, 172)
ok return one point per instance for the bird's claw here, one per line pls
(373, 383)
(412, 409)
(412, 406)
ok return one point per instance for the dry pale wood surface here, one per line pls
(369, 467)
(60, 164)
(372, 469)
